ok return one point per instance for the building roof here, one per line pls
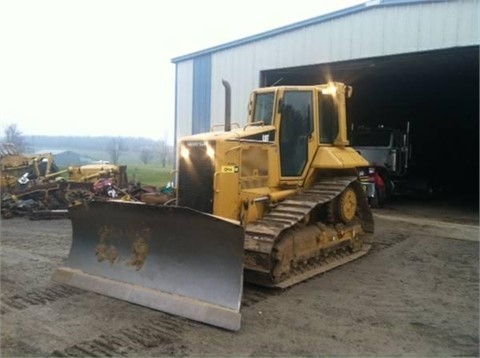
(298, 25)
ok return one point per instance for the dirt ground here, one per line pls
(415, 294)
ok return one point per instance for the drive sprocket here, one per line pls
(346, 205)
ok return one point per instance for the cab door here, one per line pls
(295, 132)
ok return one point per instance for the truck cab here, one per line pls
(387, 152)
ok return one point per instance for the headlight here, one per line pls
(185, 153)
(210, 152)
(371, 170)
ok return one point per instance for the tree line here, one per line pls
(114, 146)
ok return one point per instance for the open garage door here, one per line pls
(437, 92)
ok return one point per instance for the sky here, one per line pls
(103, 68)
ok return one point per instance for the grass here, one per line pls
(150, 174)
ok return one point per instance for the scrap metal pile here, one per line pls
(34, 187)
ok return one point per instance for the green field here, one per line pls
(149, 174)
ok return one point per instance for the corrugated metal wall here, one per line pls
(202, 71)
(183, 99)
(383, 30)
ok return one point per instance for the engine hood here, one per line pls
(236, 134)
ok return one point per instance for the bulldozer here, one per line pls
(272, 203)
(92, 172)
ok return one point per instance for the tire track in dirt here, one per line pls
(252, 296)
(387, 241)
(435, 227)
(164, 335)
(37, 297)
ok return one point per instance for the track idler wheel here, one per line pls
(345, 206)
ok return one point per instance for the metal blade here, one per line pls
(172, 259)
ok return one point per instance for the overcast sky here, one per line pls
(104, 67)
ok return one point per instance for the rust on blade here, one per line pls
(105, 250)
(138, 235)
(140, 247)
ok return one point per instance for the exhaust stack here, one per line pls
(228, 101)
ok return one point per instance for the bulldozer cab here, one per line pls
(293, 134)
(308, 121)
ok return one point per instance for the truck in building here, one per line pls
(387, 151)
(273, 203)
(392, 170)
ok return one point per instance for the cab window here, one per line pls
(295, 130)
(328, 119)
(263, 109)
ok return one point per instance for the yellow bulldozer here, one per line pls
(19, 168)
(272, 203)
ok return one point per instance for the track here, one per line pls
(276, 239)
(37, 297)
(162, 335)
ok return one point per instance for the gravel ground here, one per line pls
(415, 294)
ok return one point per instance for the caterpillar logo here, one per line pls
(229, 169)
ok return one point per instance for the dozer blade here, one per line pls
(172, 259)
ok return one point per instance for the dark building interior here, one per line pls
(436, 91)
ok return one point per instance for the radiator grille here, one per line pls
(195, 178)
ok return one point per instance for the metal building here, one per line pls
(407, 60)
